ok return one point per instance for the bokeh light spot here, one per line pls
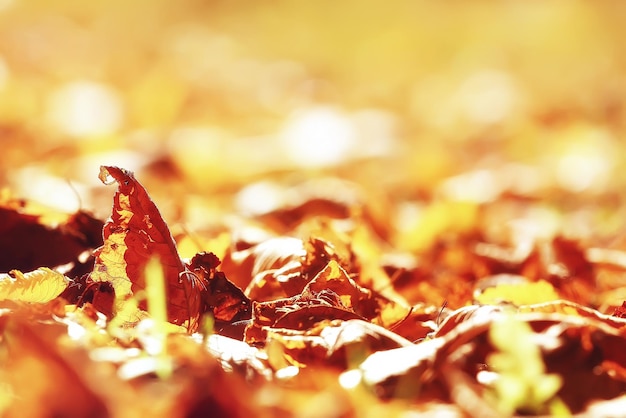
(318, 137)
(84, 109)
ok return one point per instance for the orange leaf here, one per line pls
(135, 233)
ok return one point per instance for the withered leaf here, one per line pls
(41, 285)
(222, 298)
(330, 343)
(298, 312)
(238, 355)
(269, 269)
(579, 351)
(133, 235)
(278, 267)
(101, 295)
(365, 302)
(26, 244)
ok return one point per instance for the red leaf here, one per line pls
(100, 295)
(228, 304)
(135, 233)
(26, 244)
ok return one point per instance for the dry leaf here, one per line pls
(39, 286)
(135, 233)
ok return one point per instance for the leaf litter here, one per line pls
(318, 317)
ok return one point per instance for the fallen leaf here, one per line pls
(135, 233)
(298, 312)
(38, 286)
(338, 343)
(365, 302)
(227, 304)
(268, 270)
(518, 293)
(27, 244)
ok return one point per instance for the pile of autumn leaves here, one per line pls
(283, 326)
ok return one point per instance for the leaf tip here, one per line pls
(104, 175)
(111, 174)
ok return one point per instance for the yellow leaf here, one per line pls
(421, 229)
(38, 286)
(519, 294)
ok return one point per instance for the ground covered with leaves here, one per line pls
(279, 211)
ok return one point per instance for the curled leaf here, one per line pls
(364, 302)
(277, 267)
(237, 355)
(335, 343)
(299, 312)
(227, 304)
(38, 286)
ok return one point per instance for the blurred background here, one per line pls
(216, 105)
